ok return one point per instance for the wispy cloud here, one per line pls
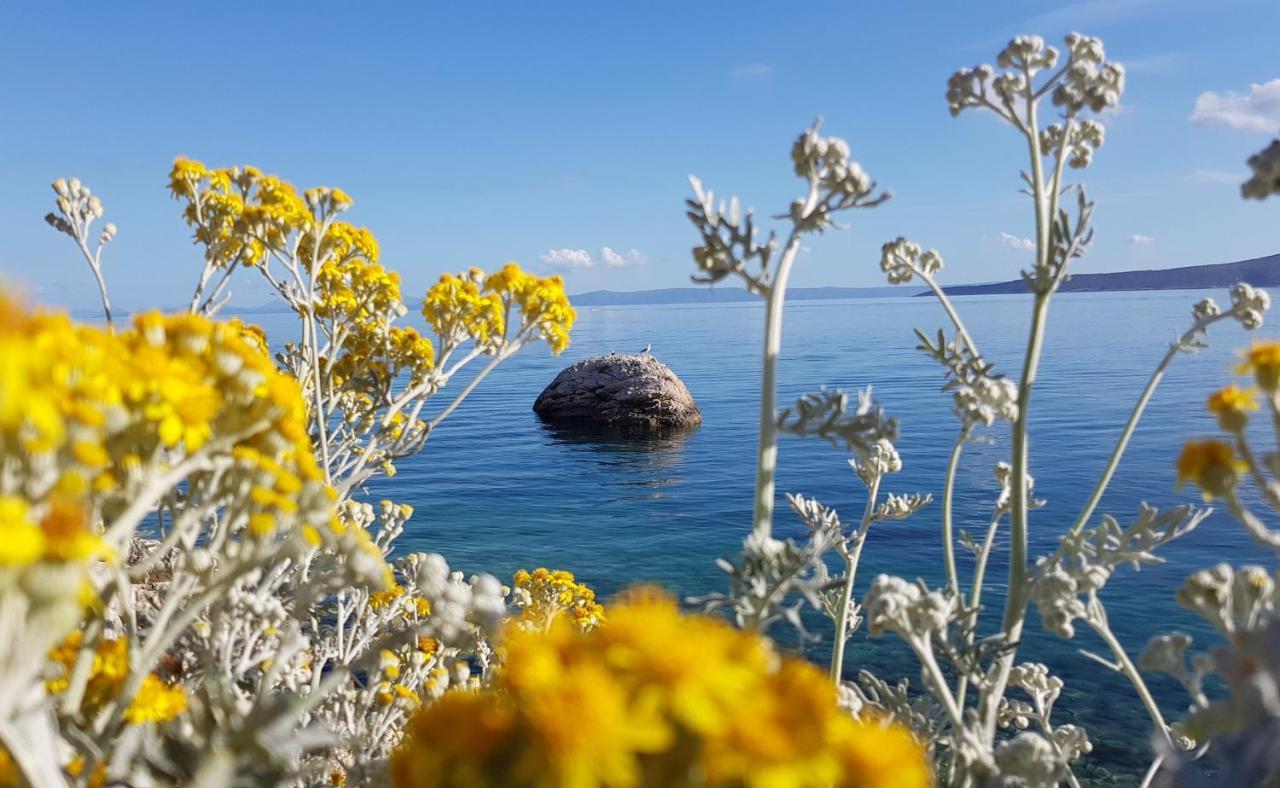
(753, 70)
(1217, 176)
(1161, 63)
(622, 260)
(1014, 242)
(1140, 239)
(1087, 13)
(579, 259)
(567, 259)
(1258, 110)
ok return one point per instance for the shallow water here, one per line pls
(496, 490)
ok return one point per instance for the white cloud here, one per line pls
(1014, 242)
(580, 259)
(567, 259)
(1139, 238)
(616, 260)
(1259, 110)
(753, 70)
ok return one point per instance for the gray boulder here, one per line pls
(618, 391)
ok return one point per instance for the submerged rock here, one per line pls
(619, 391)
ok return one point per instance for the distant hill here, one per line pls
(708, 295)
(1262, 271)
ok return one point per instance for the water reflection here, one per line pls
(645, 457)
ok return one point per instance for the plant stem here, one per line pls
(1132, 424)
(850, 576)
(467, 389)
(1099, 624)
(948, 491)
(767, 450)
(1015, 606)
(975, 598)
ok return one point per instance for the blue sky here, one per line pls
(471, 134)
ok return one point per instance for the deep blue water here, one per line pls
(495, 489)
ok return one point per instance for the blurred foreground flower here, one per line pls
(651, 697)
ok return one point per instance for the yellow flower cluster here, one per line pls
(477, 306)
(1232, 405)
(62, 534)
(359, 300)
(652, 697)
(341, 243)
(459, 307)
(544, 594)
(238, 213)
(110, 413)
(357, 290)
(1263, 362)
(1211, 465)
(411, 607)
(157, 701)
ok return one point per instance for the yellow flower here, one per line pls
(109, 670)
(1263, 361)
(67, 535)
(1231, 406)
(1211, 465)
(8, 770)
(878, 755)
(21, 540)
(462, 740)
(589, 731)
(650, 697)
(476, 306)
(156, 702)
(552, 593)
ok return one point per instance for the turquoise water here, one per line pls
(495, 489)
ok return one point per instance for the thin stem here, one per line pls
(1257, 529)
(35, 764)
(1132, 424)
(924, 651)
(1152, 771)
(1255, 470)
(851, 574)
(1099, 624)
(102, 291)
(975, 596)
(142, 503)
(1015, 604)
(950, 309)
(497, 359)
(948, 492)
(95, 265)
(767, 449)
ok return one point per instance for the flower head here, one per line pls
(1211, 465)
(1266, 173)
(651, 697)
(1231, 405)
(1263, 361)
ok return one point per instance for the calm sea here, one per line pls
(496, 490)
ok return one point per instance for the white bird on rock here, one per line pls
(646, 350)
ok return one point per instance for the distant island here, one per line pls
(1261, 271)
(718, 295)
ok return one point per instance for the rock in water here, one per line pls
(619, 391)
